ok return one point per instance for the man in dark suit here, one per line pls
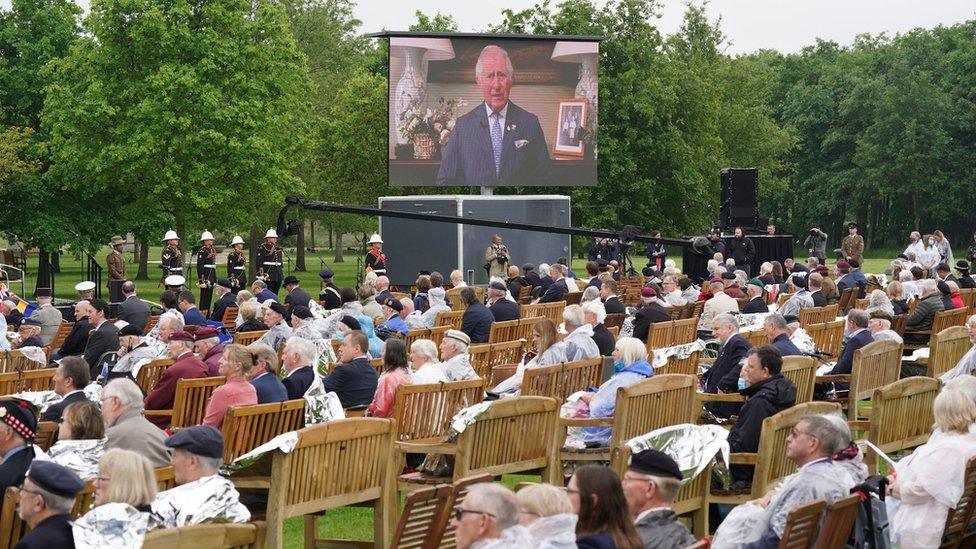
(648, 313)
(297, 362)
(857, 325)
(191, 315)
(18, 424)
(497, 143)
(608, 294)
(756, 304)
(354, 379)
(775, 328)
(265, 378)
(502, 309)
(10, 313)
(594, 314)
(70, 380)
(723, 376)
(45, 505)
(558, 288)
(104, 337)
(296, 295)
(132, 309)
(77, 340)
(477, 319)
(530, 276)
(225, 298)
(815, 282)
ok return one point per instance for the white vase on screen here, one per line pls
(411, 88)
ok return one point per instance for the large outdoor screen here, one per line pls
(492, 111)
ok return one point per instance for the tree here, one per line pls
(13, 165)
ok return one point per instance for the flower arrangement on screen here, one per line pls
(429, 129)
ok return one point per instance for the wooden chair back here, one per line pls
(818, 315)
(675, 312)
(802, 526)
(246, 338)
(898, 324)
(948, 319)
(561, 380)
(968, 296)
(190, 401)
(552, 311)
(247, 427)
(480, 357)
(335, 464)
(614, 320)
(827, 336)
(229, 320)
(901, 416)
(451, 319)
(847, 299)
(506, 352)
(755, 337)
(802, 371)
(150, 373)
(525, 293)
(425, 411)
(669, 334)
(838, 523)
(150, 323)
(614, 331)
(771, 461)
(17, 361)
(426, 513)
(687, 366)
(660, 401)
(437, 334)
(459, 491)
(945, 350)
(414, 335)
(782, 298)
(249, 535)
(63, 330)
(956, 531)
(504, 331)
(44, 437)
(574, 298)
(875, 365)
(27, 380)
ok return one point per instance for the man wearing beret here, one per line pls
(133, 351)
(225, 299)
(329, 295)
(46, 499)
(296, 295)
(30, 333)
(756, 303)
(501, 307)
(18, 424)
(301, 323)
(197, 453)
(185, 365)
(207, 346)
(393, 323)
(650, 485)
(278, 329)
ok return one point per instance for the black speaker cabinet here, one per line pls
(739, 204)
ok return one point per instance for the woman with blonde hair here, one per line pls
(124, 490)
(547, 513)
(81, 439)
(943, 246)
(235, 365)
(929, 482)
(630, 366)
(829, 290)
(546, 350)
(896, 294)
(247, 314)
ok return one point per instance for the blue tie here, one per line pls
(496, 140)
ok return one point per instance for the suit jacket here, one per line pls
(724, 375)
(647, 315)
(51, 532)
(555, 292)
(217, 312)
(755, 305)
(298, 382)
(102, 340)
(13, 470)
(819, 300)
(298, 296)
(77, 339)
(503, 310)
(846, 360)
(54, 412)
(134, 311)
(269, 389)
(50, 319)
(469, 158)
(265, 295)
(134, 432)
(786, 346)
(476, 322)
(187, 366)
(603, 339)
(194, 316)
(614, 305)
(354, 382)
(660, 529)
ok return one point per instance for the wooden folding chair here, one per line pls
(229, 320)
(802, 371)
(149, 373)
(425, 515)
(451, 319)
(957, 532)
(945, 350)
(802, 526)
(246, 338)
(827, 337)
(27, 380)
(818, 315)
(561, 380)
(503, 331)
(63, 330)
(838, 523)
(875, 365)
(459, 490)
(901, 416)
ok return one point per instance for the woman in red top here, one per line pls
(395, 374)
(235, 364)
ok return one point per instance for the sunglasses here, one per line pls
(458, 513)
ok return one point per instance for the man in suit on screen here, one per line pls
(498, 142)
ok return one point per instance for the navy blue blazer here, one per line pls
(476, 322)
(786, 346)
(194, 316)
(555, 292)
(270, 389)
(298, 382)
(504, 309)
(52, 532)
(265, 295)
(846, 361)
(55, 411)
(724, 375)
(469, 158)
(353, 382)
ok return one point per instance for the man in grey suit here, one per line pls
(497, 143)
(126, 427)
(49, 317)
(650, 485)
(132, 309)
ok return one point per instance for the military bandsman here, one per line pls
(269, 256)
(236, 261)
(172, 258)
(206, 269)
(375, 259)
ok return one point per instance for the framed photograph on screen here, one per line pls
(570, 119)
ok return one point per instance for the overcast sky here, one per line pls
(784, 25)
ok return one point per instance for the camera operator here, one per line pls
(816, 243)
(496, 258)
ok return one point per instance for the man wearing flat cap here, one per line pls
(201, 494)
(393, 323)
(296, 295)
(18, 424)
(185, 365)
(46, 499)
(278, 329)
(455, 360)
(329, 295)
(225, 299)
(650, 485)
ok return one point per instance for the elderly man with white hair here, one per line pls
(595, 314)
(126, 427)
(278, 329)
(455, 360)
(880, 327)
(410, 315)
(488, 518)
(579, 339)
(49, 317)
(437, 297)
(559, 286)
(297, 363)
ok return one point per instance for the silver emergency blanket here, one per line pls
(81, 456)
(441, 465)
(693, 447)
(802, 340)
(321, 406)
(110, 526)
(210, 499)
(324, 357)
(284, 443)
(35, 354)
(44, 399)
(679, 352)
(750, 322)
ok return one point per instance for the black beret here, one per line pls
(224, 282)
(31, 321)
(799, 281)
(326, 273)
(130, 330)
(54, 478)
(278, 308)
(728, 276)
(649, 271)
(20, 416)
(528, 267)
(854, 263)
(852, 225)
(655, 464)
(301, 312)
(351, 322)
(200, 440)
(393, 303)
(496, 285)
(290, 279)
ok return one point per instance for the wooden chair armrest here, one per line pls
(586, 422)
(719, 397)
(743, 458)
(836, 378)
(859, 424)
(426, 447)
(919, 332)
(157, 412)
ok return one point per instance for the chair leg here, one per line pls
(699, 522)
(310, 532)
(275, 535)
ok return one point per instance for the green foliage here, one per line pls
(14, 165)
(438, 23)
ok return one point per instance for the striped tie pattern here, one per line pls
(496, 140)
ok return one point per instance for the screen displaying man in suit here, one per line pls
(496, 143)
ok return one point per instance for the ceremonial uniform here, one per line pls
(852, 246)
(116, 271)
(236, 271)
(206, 274)
(376, 262)
(269, 265)
(171, 262)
